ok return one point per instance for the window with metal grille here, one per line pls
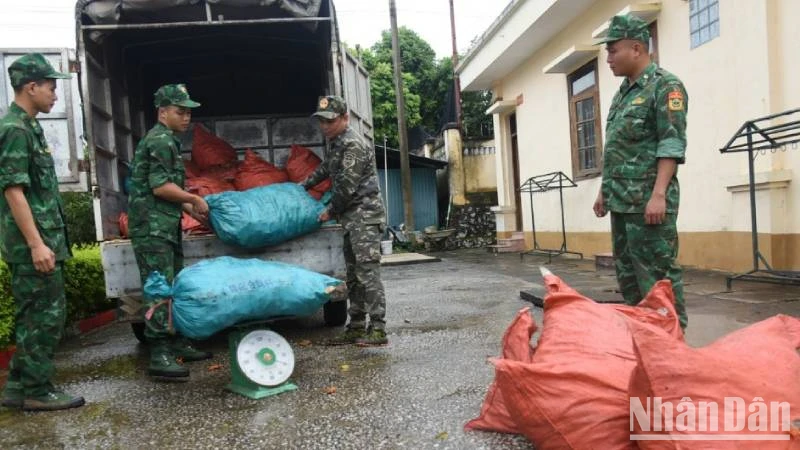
(703, 21)
(584, 114)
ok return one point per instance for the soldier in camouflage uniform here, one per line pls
(155, 204)
(357, 204)
(33, 237)
(645, 141)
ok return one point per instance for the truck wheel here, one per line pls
(138, 331)
(335, 313)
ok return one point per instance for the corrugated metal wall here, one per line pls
(423, 186)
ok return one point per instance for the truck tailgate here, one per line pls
(320, 251)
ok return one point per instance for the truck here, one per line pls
(63, 126)
(257, 67)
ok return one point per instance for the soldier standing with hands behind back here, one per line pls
(33, 237)
(357, 204)
(645, 142)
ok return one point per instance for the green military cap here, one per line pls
(626, 27)
(32, 67)
(174, 94)
(330, 107)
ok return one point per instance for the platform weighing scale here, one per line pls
(261, 362)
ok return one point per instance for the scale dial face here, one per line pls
(265, 357)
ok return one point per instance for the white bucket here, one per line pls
(386, 247)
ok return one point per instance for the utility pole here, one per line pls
(456, 78)
(402, 132)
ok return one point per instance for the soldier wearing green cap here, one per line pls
(155, 204)
(33, 237)
(645, 142)
(357, 203)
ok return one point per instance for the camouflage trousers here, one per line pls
(153, 254)
(40, 315)
(362, 254)
(645, 254)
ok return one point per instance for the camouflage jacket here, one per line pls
(156, 162)
(26, 160)
(350, 163)
(647, 121)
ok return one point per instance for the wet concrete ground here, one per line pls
(445, 319)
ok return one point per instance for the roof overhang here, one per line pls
(502, 107)
(393, 160)
(647, 11)
(573, 58)
(524, 27)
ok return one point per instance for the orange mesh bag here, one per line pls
(255, 171)
(191, 225)
(191, 169)
(123, 224)
(206, 185)
(574, 393)
(209, 151)
(516, 346)
(740, 392)
(301, 164)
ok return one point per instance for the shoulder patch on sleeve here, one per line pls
(675, 100)
(349, 159)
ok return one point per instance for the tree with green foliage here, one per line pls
(476, 123)
(384, 106)
(427, 85)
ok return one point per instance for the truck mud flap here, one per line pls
(130, 309)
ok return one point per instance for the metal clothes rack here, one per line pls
(540, 184)
(762, 135)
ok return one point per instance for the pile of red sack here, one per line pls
(581, 386)
(215, 168)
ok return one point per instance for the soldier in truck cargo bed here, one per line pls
(155, 204)
(357, 204)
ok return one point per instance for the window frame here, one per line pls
(653, 28)
(695, 10)
(572, 100)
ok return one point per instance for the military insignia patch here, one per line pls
(349, 160)
(182, 88)
(637, 101)
(675, 101)
(323, 103)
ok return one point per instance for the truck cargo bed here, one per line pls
(320, 251)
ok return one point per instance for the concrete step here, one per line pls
(604, 260)
(518, 235)
(507, 246)
(502, 249)
(537, 295)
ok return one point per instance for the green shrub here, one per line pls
(85, 284)
(84, 288)
(7, 307)
(80, 218)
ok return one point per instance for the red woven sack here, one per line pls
(740, 392)
(302, 162)
(205, 185)
(255, 171)
(191, 169)
(209, 151)
(190, 225)
(516, 346)
(123, 224)
(574, 393)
